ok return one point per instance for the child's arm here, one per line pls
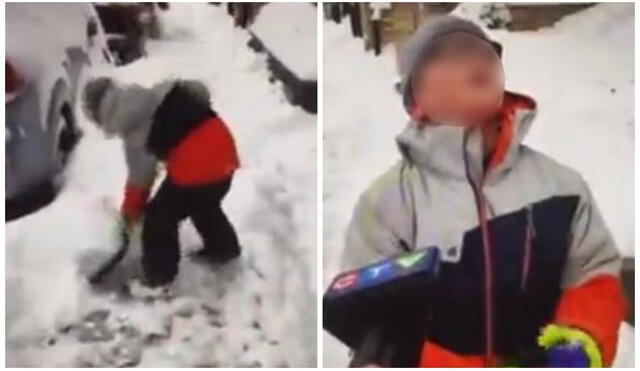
(592, 301)
(141, 173)
(381, 222)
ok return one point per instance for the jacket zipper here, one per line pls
(481, 204)
(529, 235)
(487, 249)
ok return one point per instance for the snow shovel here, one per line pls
(102, 269)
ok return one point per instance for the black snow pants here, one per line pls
(172, 204)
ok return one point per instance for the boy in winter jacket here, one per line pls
(170, 122)
(528, 265)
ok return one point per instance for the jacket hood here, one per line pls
(128, 106)
(120, 108)
(458, 152)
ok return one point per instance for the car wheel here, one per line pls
(68, 136)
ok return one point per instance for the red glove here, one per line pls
(133, 204)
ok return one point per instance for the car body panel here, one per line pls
(49, 46)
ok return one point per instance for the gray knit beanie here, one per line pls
(92, 95)
(422, 40)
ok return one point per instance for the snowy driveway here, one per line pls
(260, 313)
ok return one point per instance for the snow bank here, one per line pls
(581, 74)
(288, 30)
(40, 32)
(258, 312)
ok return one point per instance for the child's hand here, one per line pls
(567, 355)
(569, 347)
(133, 204)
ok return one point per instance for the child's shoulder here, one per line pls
(553, 171)
(388, 188)
(390, 178)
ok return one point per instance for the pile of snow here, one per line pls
(43, 37)
(289, 31)
(260, 311)
(41, 32)
(581, 74)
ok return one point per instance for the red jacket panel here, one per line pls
(207, 154)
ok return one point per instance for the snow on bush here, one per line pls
(491, 15)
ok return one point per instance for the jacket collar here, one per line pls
(457, 152)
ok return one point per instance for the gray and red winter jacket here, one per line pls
(171, 122)
(522, 242)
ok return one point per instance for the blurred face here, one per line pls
(461, 81)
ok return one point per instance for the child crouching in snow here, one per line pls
(528, 265)
(170, 122)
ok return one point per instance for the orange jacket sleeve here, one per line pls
(597, 307)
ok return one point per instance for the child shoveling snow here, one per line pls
(527, 263)
(170, 122)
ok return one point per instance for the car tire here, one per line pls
(68, 136)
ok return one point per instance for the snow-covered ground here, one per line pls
(260, 312)
(289, 30)
(581, 72)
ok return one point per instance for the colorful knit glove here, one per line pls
(569, 347)
(567, 355)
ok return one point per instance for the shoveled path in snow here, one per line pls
(258, 312)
